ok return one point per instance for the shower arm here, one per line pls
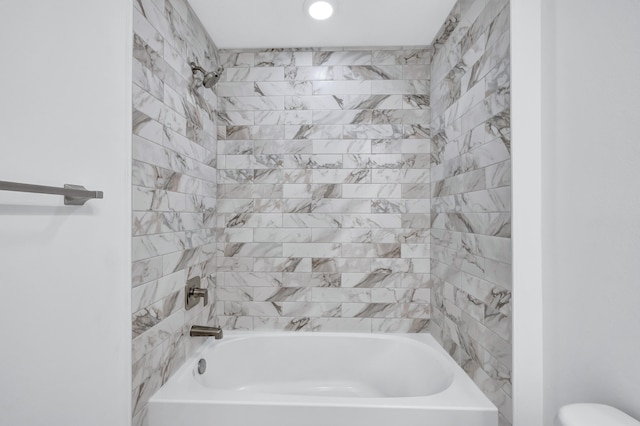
(195, 67)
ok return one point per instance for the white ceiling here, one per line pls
(246, 24)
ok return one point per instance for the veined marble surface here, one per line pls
(470, 180)
(174, 190)
(323, 170)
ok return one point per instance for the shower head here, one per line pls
(210, 78)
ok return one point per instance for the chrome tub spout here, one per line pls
(205, 331)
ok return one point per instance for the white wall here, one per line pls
(526, 151)
(65, 271)
(591, 202)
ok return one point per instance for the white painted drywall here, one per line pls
(242, 24)
(591, 203)
(65, 271)
(526, 157)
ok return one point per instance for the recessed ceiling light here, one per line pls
(319, 9)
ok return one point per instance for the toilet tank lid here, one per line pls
(594, 414)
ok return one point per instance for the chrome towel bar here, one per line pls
(74, 195)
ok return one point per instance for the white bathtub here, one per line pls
(321, 379)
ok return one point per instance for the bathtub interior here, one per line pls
(360, 366)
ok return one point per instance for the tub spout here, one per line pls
(201, 330)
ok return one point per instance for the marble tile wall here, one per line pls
(323, 190)
(174, 189)
(471, 195)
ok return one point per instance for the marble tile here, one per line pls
(351, 87)
(282, 117)
(374, 131)
(371, 190)
(251, 103)
(312, 324)
(315, 279)
(385, 310)
(379, 72)
(254, 74)
(373, 221)
(400, 87)
(315, 250)
(400, 176)
(398, 325)
(374, 161)
(324, 102)
(377, 278)
(372, 102)
(342, 117)
(395, 116)
(381, 250)
(277, 57)
(334, 294)
(282, 235)
(303, 73)
(336, 265)
(231, 264)
(342, 58)
(237, 59)
(282, 147)
(252, 279)
(420, 102)
(282, 264)
(146, 270)
(401, 57)
(146, 295)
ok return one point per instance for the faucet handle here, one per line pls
(200, 292)
(193, 293)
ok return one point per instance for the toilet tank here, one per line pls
(593, 415)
